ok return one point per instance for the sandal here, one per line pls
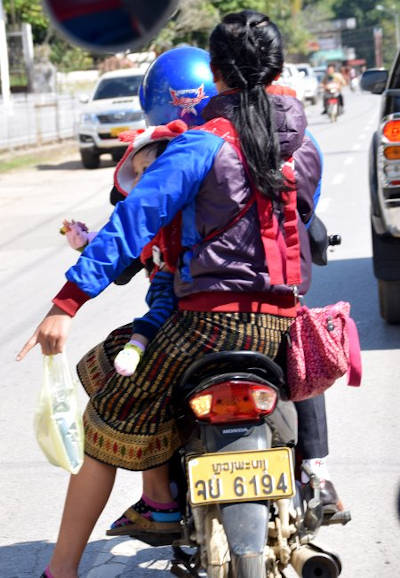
(47, 574)
(141, 518)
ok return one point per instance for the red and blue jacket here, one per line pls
(202, 175)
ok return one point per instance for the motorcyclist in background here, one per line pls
(337, 77)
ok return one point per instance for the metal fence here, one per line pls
(35, 119)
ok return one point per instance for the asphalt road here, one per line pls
(363, 423)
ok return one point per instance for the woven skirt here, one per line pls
(128, 421)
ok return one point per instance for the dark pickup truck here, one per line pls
(384, 180)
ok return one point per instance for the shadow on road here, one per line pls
(72, 165)
(353, 280)
(111, 558)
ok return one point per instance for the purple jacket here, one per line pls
(234, 260)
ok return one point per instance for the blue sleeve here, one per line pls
(162, 302)
(317, 193)
(168, 185)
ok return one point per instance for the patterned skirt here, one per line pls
(128, 421)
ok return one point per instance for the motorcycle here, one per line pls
(245, 516)
(331, 98)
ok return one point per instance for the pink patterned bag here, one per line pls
(323, 345)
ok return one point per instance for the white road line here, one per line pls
(323, 205)
(348, 161)
(338, 179)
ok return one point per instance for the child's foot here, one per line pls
(127, 360)
(148, 516)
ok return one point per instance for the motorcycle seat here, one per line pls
(232, 362)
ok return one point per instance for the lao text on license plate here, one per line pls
(116, 130)
(241, 476)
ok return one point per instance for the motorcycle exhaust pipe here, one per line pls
(309, 563)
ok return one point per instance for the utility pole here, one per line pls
(4, 70)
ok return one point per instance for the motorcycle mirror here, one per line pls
(374, 80)
(109, 25)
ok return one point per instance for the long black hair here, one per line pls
(246, 48)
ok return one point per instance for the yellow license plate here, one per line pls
(116, 130)
(241, 476)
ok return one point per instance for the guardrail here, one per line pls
(35, 119)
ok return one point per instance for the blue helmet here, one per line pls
(177, 85)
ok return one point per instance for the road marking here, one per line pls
(323, 205)
(348, 161)
(338, 179)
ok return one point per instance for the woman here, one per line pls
(226, 297)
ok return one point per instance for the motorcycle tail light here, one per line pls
(392, 153)
(232, 401)
(391, 130)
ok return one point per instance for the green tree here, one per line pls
(191, 25)
(31, 11)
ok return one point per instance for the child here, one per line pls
(158, 257)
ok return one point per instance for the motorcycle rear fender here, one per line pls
(236, 437)
(246, 527)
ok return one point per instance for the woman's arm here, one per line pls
(171, 182)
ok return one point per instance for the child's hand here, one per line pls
(77, 234)
(128, 359)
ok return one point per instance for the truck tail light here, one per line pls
(391, 130)
(232, 401)
(392, 153)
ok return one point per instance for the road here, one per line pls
(363, 423)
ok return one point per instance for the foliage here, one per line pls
(18, 11)
(297, 20)
(67, 57)
(192, 25)
(196, 18)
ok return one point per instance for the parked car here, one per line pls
(292, 78)
(311, 83)
(112, 108)
(384, 181)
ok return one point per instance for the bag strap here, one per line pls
(355, 367)
(282, 253)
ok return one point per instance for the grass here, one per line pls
(22, 159)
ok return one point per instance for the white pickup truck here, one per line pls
(112, 108)
(384, 180)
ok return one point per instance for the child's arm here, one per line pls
(162, 302)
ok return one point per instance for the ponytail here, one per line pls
(246, 47)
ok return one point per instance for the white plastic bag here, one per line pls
(58, 422)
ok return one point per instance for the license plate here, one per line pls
(116, 130)
(241, 476)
